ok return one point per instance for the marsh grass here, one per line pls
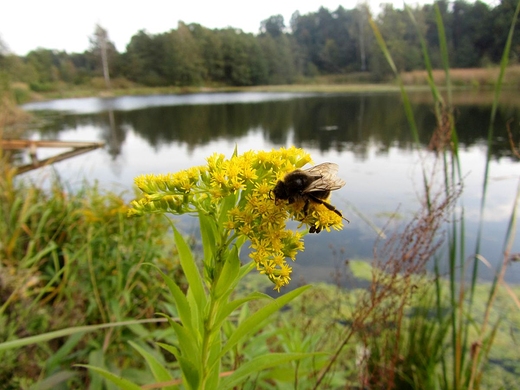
(470, 77)
(70, 260)
(469, 335)
(389, 318)
(12, 118)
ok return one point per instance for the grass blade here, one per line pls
(159, 372)
(69, 331)
(123, 383)
(498, 88)
(260, 363)
(444, 49)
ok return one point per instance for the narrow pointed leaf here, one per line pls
(234, 305)
(208, 234)
(190, 269)
(257, 364)
(229, 273)
(187, 343)
(69, 331)
(181, 303)
(254, 322)
(124, 384)
(53, 381)
(160, 373)
(189, 372)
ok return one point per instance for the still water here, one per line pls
(366, 134)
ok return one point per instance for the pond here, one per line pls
(366, 134)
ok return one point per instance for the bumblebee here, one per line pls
(310, 185)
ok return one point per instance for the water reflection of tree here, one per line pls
(200, 124)
(331, 122)
(108, 123)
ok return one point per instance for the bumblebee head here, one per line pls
(279, 191)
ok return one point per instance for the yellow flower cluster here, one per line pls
(241, 186)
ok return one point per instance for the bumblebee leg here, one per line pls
(306, 207)
(328, 205)
(314, 229)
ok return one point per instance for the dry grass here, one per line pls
(398, 277)
(12, 118)
(473, 97)
(471, 77)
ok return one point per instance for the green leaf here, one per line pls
(67, 332)
(160, 373)
(53, 381)
(257, 364)
(254, 322)
(433, 88)
(229, 273)
(121, 382)
(230, 307)
(189, 372)
(190, 270)
(140, 331)
(187, 342)
(170, 348)
(494, 108)
(443, 45)
(245, 269)
(242, 271)
(96, 358)
(57, 357)
(208, 234)
(197, 316)
(228, 203)
(188, 369)
(213, 376)
(361, 269)
(181, 303)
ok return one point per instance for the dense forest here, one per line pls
(318, 43)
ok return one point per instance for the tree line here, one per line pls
(317, 43)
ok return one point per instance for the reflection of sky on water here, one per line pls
(128, 103)
(378, 184)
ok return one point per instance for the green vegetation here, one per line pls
(70, 260)
(323, 43)
(471, 332)
(74, 259)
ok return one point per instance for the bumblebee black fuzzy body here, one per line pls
(310, 185)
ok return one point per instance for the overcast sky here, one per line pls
(67, 24)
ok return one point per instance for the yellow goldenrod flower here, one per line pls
(236, 194)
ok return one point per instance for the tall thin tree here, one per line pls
(100, 42)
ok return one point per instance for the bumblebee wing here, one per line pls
(322, 169)
(325, 178)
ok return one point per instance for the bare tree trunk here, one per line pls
(362, 53)
(102, 42)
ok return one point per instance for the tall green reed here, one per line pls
(469, 352)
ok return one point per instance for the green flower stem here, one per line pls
(208, 332)
(216, 265)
